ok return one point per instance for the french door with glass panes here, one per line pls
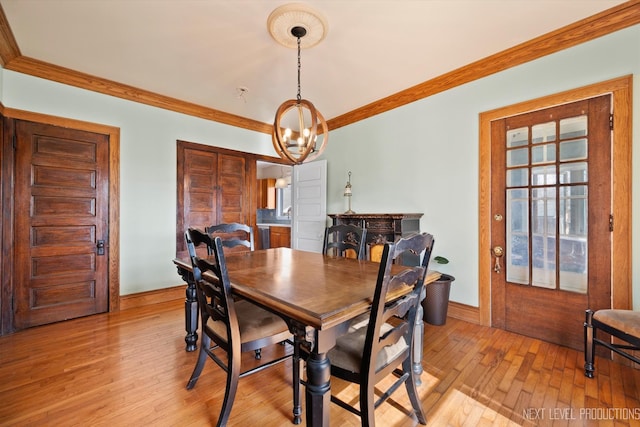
(551, 204)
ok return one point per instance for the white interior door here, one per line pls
(309, 193)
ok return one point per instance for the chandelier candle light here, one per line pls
(303, 136)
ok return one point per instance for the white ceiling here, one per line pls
(201, 51)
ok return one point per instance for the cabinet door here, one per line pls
(213, 186)
(280, 237)
(267, 193)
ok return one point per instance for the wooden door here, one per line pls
(214, 186)
(551, 189)
(61, 224)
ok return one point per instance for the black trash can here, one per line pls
(436, 302)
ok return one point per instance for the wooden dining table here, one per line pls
(317, 296)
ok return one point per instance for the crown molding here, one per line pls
(611, 20)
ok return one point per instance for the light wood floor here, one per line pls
(130, 369)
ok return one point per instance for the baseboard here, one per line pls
(464, 312)
(152, 297)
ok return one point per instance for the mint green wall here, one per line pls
(423, 157)
(147, 166)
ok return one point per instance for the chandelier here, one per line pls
(300, 132)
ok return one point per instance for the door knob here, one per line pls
(497, 252)
(100, 246)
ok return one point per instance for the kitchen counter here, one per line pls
(273, 224)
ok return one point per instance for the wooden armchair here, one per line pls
(621, 324)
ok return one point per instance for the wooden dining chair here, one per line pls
(382, 345)
(231, 327)
(345, 240)
(235, 236)
(623, 325)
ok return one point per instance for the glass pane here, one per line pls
(543, 153)
(518, 137)
(543, 210)
(573, 238)
(543, 246)
(517, 177)
(518, 157)
(573, 127)
(543, 175)
(517, 256)
(544, 132)
(571, 173)
(573, 150)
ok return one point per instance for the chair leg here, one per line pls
(233, 375)
(589, 344)
(205, 342)
(367, 405)
(297, 408)
(412, 391)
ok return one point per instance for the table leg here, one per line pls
(190, 310)
(191, 319)
(318, 390)
(418, 336)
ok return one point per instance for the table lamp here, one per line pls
(348, 194)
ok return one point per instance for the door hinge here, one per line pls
(14, 141)
(611, 222)
(611, 121)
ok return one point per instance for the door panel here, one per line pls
(551, 201)
(200, 189)
(232, 180)
(214, 186)
(309, 194)
(61, 199)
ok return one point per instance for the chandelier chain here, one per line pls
(299, 66)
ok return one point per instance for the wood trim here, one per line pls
(611, 20)
(620, 88)
(608, 21)
(156, 296)
(114, 186)
(6, 221)
(464, 312)
(8, 46)
(70, 77)
(622, 292)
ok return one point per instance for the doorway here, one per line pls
(543, 254)
(551, 194)
(60, 219)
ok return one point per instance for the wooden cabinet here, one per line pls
(267, 193)
(280, 237)
(382, 228)
(215, 185)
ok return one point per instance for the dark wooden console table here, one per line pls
(382, 228)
